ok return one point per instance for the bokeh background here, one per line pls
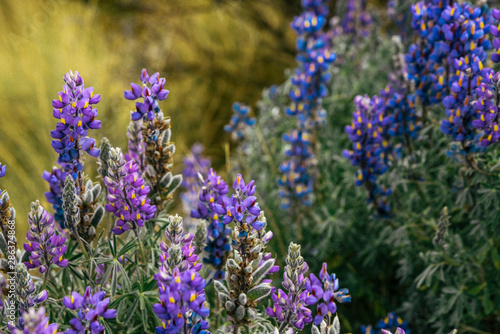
(212, 52)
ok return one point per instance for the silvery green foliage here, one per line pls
(324, 328)
(200, 237)
(7, 211)
(244, 273)
(103, 160)
(82, 212)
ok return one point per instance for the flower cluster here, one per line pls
(181, 294)
(212, 208)
(55, 179)
(486, 106)
(74, 109)
(35, 322)
(152, 91)
(296, 180)
(44, 245)
(90, 308)
(240, 121)
(249, 266)
(357, 19)
(325, 291)
(309, 81)
(155, 139)
(425, 58)
(195, 164)
(182, 290)
(464, 31)
(127, 194)
(389, 323)
(371, 150)
(290, 309)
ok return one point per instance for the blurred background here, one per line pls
(212, 52)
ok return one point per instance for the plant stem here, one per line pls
(143, 256)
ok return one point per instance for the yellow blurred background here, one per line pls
(211, 52)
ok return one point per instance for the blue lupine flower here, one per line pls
(240, 121)
(212, 199)
(391, 322)
(371, 150)
(309, 80)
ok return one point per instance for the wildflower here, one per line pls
(158, 150)
(136, 145)
(181, 295)
(44, 245)
(247, 270)
(389, 323)
(371, 150)
(74, 109)
(290, 309)
(7, 212)
(90, 310)
(127, 194)
(35, 322)
(325, 291)
(240, 121)
(55, 179)
(212, 208)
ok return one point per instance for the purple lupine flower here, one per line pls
(212, 201)
(35, 322)
(357, 19)
(181, 294)
(3, 170)
(74, 109)
(182, 290)
(44, 245)
(240, 121)
(89, 309)
(371, 151)
(290, 308)
(325, 291)
(127, 194)
(152, 91)
(186, 259)
(486, 106)
(194, 165)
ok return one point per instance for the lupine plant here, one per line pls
(412, 120)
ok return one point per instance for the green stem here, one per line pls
(143, 256)
(45, 277)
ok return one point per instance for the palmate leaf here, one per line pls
(127, 247)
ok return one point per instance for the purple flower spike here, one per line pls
(44, 245)
(325, 291)
(152, 91)
(290, 308)
(90, 309)
(74, 109)
(240, 122)
(127, 194)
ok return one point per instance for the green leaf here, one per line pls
(125, 278)
(128, 246)
(114, 279)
